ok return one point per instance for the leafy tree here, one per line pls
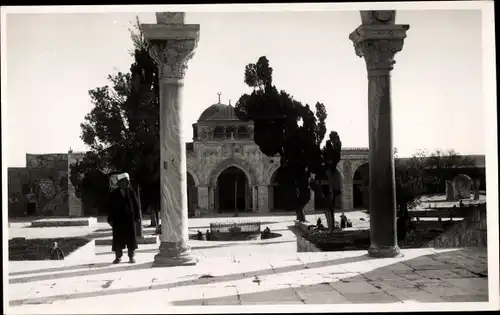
(442, 164)
(122, 130)
(409, 181)
(91, 184)
(297, 133)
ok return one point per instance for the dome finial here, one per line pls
(219, 94)
(229, 102)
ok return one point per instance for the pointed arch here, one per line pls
(238, 163)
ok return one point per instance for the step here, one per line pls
(62, 222)
(108, 241)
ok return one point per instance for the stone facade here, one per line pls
(221, 141)
(40, 188)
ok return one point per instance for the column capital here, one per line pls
(378, 44)
(172, 57)
(172, 44)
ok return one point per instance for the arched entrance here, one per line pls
(277, 192)
(360, 185)
(192, 195)
(320, 200)
(232, 190)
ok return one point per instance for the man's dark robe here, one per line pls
(123, 215)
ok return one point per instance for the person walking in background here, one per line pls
(343, 221)
(123, 216)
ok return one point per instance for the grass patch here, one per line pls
(21, 249)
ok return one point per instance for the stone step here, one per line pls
(148, 239)
(62, 222)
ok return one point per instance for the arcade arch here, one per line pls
(233, 192)
(320, 201)
(277, 193)
(192, 194)
(360, 187)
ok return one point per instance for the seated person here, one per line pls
(199, 235)
(319, 224)
(56, 253)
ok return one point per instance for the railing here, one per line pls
(233, 227)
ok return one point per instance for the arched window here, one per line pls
(243, 133)
(219, 133)
(231, 133)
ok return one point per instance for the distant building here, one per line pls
(225, 170)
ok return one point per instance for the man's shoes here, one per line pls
(132, 260)
(117, 261)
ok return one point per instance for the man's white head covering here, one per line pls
(122, 176)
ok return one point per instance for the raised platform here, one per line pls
(148, 239)
(60, 222)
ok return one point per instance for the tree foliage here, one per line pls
(297, 134)
(122, 129)
(415, 176)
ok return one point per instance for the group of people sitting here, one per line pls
(344, 223)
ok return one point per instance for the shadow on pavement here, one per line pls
(154, 250)
(62, 268)
(382, 285)
(81, 273)
(200, 281)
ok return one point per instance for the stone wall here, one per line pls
(304, 245)
(43, 183)
(470, 232)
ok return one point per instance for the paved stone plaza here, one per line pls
(259, 272)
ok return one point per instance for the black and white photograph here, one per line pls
(248, 158)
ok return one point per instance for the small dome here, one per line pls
(218, 112)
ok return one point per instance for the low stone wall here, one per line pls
(64, 222)
(305, 227)
(469, 232)
(86, 252)
(304, 245)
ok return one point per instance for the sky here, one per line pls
(53, 60)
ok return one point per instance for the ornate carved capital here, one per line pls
(172, 43)
(172, 57)
(378, 44)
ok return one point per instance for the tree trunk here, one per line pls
(330, 214)
(154, 217)
(301, 217)
(139, 228)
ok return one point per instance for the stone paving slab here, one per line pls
(291, 279)
(260, 272)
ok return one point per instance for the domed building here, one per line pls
(227, 171)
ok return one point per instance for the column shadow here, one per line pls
(200, 281)
(406, 285)
(111, 268)
(62, 268)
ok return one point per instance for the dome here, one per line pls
(218, 112)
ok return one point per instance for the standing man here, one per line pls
(123, 216)
(343, 221)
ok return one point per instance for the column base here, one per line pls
(174, 254)
(384, 251)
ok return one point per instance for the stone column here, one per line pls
(172, 44)
(378, 39)
(263, 198)
(255, 203)
(203, 198)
